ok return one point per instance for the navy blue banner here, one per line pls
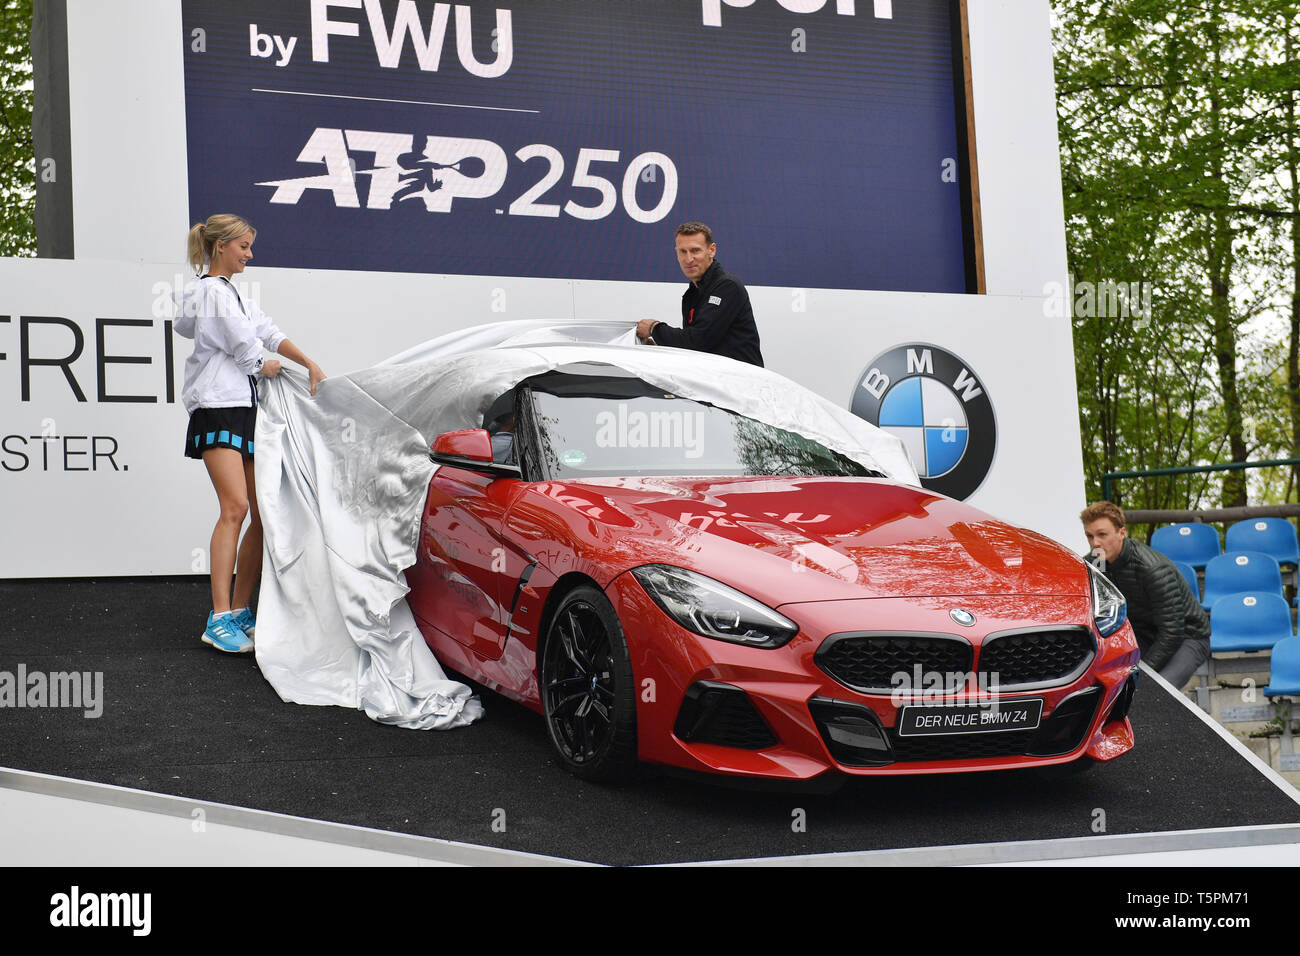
(568, 138)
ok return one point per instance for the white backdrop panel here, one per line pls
(100, 486)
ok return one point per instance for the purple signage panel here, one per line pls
(821, 139)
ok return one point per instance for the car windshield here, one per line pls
(610, 427)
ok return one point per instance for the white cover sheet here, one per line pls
(342, 478)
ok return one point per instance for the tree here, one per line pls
(1168, 111)
(17, 159)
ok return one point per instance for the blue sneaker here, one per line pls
(224, 634)
(246, 622)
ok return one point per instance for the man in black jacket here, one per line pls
(716, 315)
(1172, 629)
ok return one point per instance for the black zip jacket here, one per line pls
(1161, 607)
(716, 317)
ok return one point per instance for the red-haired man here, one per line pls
(1172, 629)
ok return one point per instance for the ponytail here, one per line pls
(194, 248)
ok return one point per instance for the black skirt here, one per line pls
(221, 428)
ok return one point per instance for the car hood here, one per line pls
(809, 539)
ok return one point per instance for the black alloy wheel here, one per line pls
(587, 688)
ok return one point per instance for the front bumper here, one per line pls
(711, 706)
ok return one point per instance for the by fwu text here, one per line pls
(83, 690)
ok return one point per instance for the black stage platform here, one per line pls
(180, 718)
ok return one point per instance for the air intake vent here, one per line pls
(721, 714)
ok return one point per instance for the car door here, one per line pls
(467, 572)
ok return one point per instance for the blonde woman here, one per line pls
(220, 393)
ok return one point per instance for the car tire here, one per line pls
(587, 689)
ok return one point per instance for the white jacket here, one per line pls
(229, 335)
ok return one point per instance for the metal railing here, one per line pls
(1107, 478)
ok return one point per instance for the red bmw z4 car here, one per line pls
(670, 582)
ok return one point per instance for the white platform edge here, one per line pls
(1253, 758)
(155, 816)
(266, 838)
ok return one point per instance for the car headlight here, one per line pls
(711, 609)
(1109, 609)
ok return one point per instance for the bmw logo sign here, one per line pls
(940, 409)
(962, 616)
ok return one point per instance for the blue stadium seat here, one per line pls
(1284, 669)
(1240, 571)
(1273, 536)
(1249, 621)
(1194, 543)
(1189, 572)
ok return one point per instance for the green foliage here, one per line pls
(17, 161)
(1174, 135)
(1280, 722)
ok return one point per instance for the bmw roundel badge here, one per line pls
(931, 400)
(962, 616)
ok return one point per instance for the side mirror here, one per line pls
(470, 444)
(471, 449)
